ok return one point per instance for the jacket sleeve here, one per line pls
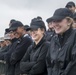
(40, 65)
(3, 53)
(48, 62)
(25, 64)
(20, 50)
(71, 64)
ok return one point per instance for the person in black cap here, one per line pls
(61, 56)
(21, 45)
(2, 62)
(71, 6)
(33, 62)
(50, 32)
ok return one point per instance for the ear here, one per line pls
(75, 7)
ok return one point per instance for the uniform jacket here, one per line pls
(61, 55)
(33, 62)
(49, 35)
(21, 47)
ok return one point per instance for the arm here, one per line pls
(20, 50)
(40, 65)
(71, 65)
(48, 62)
(25, 64)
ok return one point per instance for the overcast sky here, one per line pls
(25, 10)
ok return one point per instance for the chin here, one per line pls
(58, 32)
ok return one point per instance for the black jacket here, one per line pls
(15, 54)
(49, 35)
(33, 63)
(21, 47)
(61, 55)
(9, 68)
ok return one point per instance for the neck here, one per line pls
(37, 41)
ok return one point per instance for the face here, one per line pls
(72, 9)
(12, 34)
(37, 34)
(7, 42)
(61, 26)
(50, 26)
(3, 44)
(19, 31)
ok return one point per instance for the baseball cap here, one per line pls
(15, 25)
(61, 13)
(37, 23)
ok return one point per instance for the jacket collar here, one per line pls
(40, 43)
(65, 36)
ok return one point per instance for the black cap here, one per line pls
(70, 4)
(15, 25)
(37, 23)
(49, 20)
(7, 30)
(39, 17)
(27, 27)
(61, 13)
(12, 20)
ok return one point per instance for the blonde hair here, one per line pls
(70, 20)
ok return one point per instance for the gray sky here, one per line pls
(25, 10)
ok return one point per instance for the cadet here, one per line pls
(61, 56)
(50, 32)
(24, 41)
(33, 62)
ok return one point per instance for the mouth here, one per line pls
(57, 27)
(34, 35)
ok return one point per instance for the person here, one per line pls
(23, 42)
(50, 32)
(2, 62)
(71, 6)
(61, 56)
(33, 62)
(9, 69)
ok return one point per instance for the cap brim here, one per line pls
(57, 18)
(33, 27)
(12, 28)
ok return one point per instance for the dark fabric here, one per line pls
(70, 4)
(5, 56)
(59, 59)
(2, 62)
(49, 35)
(61, 13)
(3, 52)
(37, 23)
(33, 62)
(15, 25)
(19, 51)
(63, 38)
(9, 68)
